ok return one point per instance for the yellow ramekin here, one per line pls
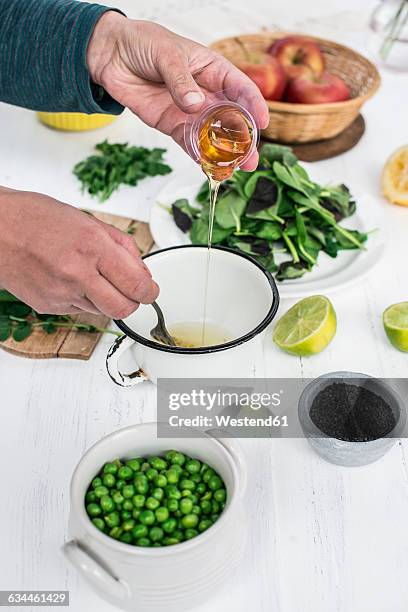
(75, 122)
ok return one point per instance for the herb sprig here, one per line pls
(18, 320)
(118, 164)
(275, 210)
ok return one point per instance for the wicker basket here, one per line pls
(295, 123)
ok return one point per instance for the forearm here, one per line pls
(43, 63)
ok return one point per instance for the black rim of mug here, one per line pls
(218, 347)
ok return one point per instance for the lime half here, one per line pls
(307, 328)
(395, 320)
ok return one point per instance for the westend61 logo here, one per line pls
(226, 408)
(208, 400)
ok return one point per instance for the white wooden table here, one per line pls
(322, 538)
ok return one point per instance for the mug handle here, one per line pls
(120, 346)
(92, 571)
(235, 450)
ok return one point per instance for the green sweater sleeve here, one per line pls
(43, 46)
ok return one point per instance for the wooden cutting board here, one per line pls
(72, 344)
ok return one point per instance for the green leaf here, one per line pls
(271, 153)
(5, 331)
(18, 309)
(6, 296)
(228, 210)
(22, 331)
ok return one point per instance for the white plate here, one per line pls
(327, 276)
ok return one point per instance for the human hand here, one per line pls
(163, 77)
(60, 260)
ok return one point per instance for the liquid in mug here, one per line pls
(190, 334)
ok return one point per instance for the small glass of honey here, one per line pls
(221, 138)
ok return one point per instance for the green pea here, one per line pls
(176, 468)
(128, 491)
(206, 506)
(128, 525)
(189, 520)
(118, 498)
(158, 493)
(145, 466)
(196, 510)
(220, 495)
(207, 496)
(190, 533)
(186, 493)
(222, 506)
(160, 481)
(201, 488)
(169, 454)
(127, 505)
(96, 482)
(204, 467)
(194, 499)
(107, 504)
(215, 483)
(170, 525)
(204, 524)
(99, 523)
(126, 538)
(177, 458)
(186, 505)
(215, 507)
(139, 531)
(125, 472)
(141, 484)
(162, 514)
(109, 480)
(179, 534)
(188, 484)
(156, 534)
(110, 468)
(196, 478)
(151, 474)
(120, 484)
(172, 492)
(172, 505)
(214, 517)
(93, 509)
(125, 515)
(147, 517)
(112, 519)
(115, 533)
(152, 503)
(101, 491)
(193, 466)
(156, 545)
(158, 463)
(138, 501)
(134, 464)
(136, 513)
(209, 473)
(90, 497)
(170, 541)
(172, 476)
(143, 542)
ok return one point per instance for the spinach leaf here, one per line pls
(229, 209)
(289, 270)
(183, 214)
(271, 153)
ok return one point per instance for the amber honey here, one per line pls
(225, 138)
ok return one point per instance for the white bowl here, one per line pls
(173, 578)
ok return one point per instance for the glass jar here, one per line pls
(388, 40)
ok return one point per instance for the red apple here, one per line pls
(268, 75)
(312, 90)
(298, 56)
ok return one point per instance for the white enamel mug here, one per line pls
(242, 299)
(172, 578)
